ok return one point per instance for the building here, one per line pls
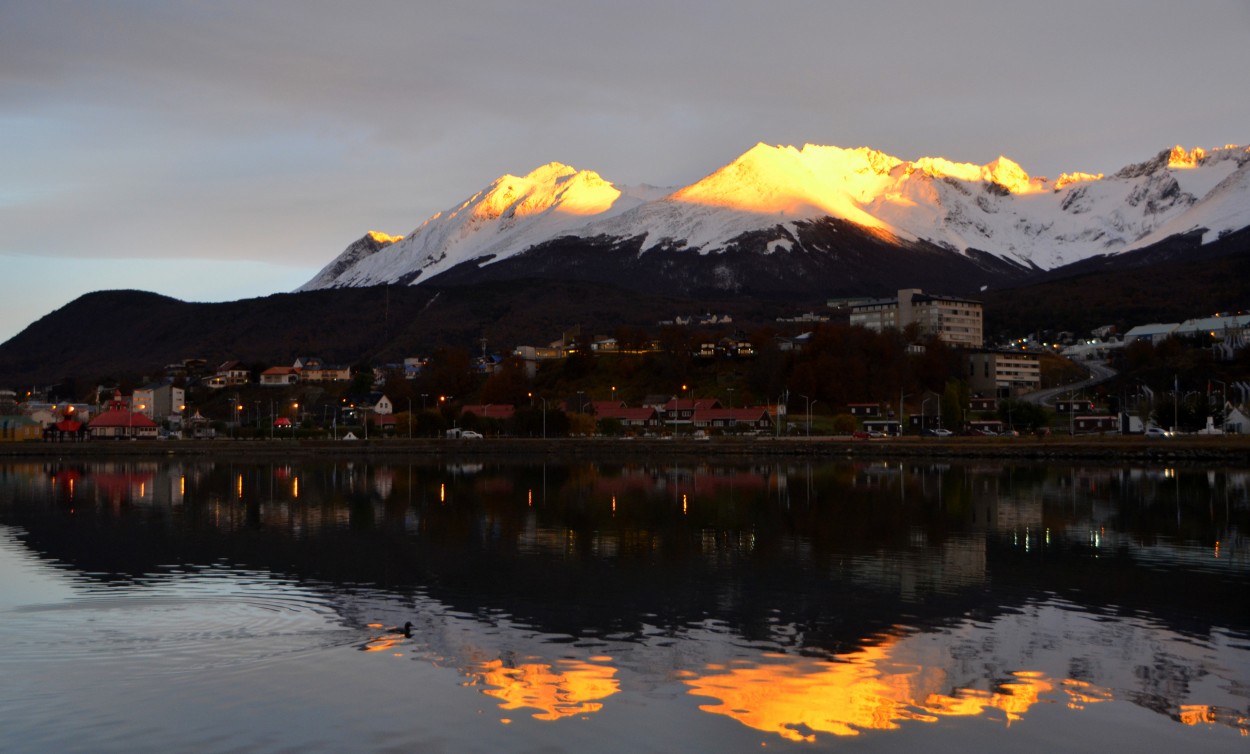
(752, 417)
(1003, 374)
(119, 422)
(863, 409)
(953, 320)
(682, 410)
(644, 418)
(14, 428)
(1152, 333)
(159, 402)
(1072, 406)
(1108, 424)
(279, 376)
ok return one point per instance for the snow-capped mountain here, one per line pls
(838, 214)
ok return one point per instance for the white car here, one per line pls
(1157, 432)
(469, 434)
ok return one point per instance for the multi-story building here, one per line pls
(1003, 374)
(954, 320)
(159, 402)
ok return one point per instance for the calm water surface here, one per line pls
(207, 607)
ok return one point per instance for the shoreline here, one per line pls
(1226, 449)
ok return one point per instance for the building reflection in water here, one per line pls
(759, 548)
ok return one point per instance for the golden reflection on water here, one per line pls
(796, 697)
(563, 689)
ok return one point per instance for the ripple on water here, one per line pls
(171, 633)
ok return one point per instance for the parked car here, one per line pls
(469, 434)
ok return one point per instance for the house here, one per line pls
(14, 428)
(1071, 406)
(313, 369)
(737, 347)
(1236, 423)
(118, 422)
(863, 409)
(230, 373)
(1095, 424)
(279, 377)
(751, 417)
(982, 405)
(681, 410)
(631, 418)
(706, 350)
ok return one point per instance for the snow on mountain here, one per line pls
(769, 191)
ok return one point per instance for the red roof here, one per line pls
(628, 414)
(121, 418)
(69, 425)
(691, 404)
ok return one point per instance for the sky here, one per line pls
(219, 150)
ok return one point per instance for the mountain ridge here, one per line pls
(761, 201)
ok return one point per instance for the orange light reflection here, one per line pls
(569, 688)
(797, 698)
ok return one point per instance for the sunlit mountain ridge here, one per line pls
(766, 200)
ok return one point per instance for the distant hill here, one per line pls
(133, 333)
(1168, 282)
(114, 333)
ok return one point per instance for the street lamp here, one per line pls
(809, 414)
(544, 400)
(924, 413)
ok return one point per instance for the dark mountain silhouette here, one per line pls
(133, 333)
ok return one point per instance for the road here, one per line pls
(1098, 372)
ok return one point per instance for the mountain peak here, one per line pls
(768, 197)
(381, 238)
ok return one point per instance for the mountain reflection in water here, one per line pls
(804, 602)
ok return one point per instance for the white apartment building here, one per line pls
(951, 319)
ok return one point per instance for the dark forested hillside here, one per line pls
(113, 333)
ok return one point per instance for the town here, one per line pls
(911, 364)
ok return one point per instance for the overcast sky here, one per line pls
(219, 150)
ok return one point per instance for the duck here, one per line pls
(406, 630)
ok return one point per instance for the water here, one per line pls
(165, 606)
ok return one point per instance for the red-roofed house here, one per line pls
(119, 422)
(632, 418)
(681, 410)
(279, 376)
(752, 417)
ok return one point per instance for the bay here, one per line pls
(223, 606)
